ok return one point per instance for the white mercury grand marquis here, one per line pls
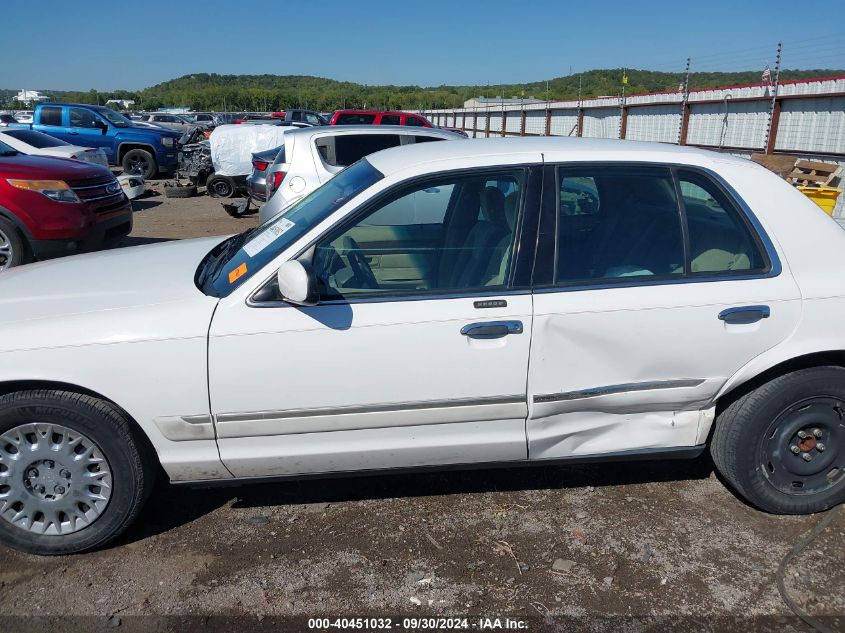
(509, 301)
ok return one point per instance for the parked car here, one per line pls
(373, 117)
(5, 119)
(40, 144)
(55, 206)
(138, 150)
(209, 120)
(301, 116)
(256, 182)
(506, 301)
(24, 116)
(311, 157)
(170, 121)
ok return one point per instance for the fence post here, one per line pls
(580, 122)
(682, 140)
(474, 123)
(548, 121)
(487, 124)
(522, 122)
(504, 121)
(623, 123)
(773, 127)
(464, 121)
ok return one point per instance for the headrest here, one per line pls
(493, 205)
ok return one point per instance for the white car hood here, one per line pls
(122, 295)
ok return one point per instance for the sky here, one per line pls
(85, 44)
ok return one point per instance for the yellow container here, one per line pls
(823, 196)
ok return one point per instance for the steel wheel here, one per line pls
(803, 451)
(53, 479)
(7, 252)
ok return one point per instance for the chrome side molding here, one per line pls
(616, 389)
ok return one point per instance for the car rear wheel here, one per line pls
(73, 476)
(782, 446)
(13, 251)
(139, 162)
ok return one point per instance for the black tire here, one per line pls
(13, 248)
(758, 448)
(140, 162)
(130, 461)
(221, 187)
(188, 191)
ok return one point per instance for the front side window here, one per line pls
(455, 233)
(391, 119)
(313, 119)
(720, 241)
(616, 223)
(80, 117)
(412, 120)
(296, 115)
(50, 115)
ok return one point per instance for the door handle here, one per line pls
(745, 314)
(492, 329)
(72, 133)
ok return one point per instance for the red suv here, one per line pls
(55, 206)
(372, 117)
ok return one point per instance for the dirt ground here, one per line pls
(604, 547)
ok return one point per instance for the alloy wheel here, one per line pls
(6, 251)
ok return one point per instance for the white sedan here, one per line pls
(554, 300)
(40, 144)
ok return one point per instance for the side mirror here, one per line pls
(104, 127)
(298, 283)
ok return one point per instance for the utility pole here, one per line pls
(774, 109)
(621, 131)
(580, 119)
(684, 107)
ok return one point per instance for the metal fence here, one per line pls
(805, 118)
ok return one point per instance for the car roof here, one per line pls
(372, 112)
(552, 149)
(336, 130)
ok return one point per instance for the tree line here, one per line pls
(265, 93)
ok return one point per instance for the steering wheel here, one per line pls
(359, 264)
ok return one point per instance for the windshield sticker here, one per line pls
(268, 236)
(236, 274)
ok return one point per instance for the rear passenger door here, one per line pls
(653, 285)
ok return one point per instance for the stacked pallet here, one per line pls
(813, 173)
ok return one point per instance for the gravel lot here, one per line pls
(605, 547)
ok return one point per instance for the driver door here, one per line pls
(417, 353)
(86, 129)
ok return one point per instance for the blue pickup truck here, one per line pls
(138, 150)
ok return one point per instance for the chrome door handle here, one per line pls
(745, 314)
(492, 329)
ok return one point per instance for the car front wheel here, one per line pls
(782, 445)
(73, 475)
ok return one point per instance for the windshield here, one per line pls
(115, 118)
(235, 260)
(5, 150)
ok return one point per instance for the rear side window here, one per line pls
(356, 119)
(350, 148)
(391, 119)
(51, 116)
(618, 223)
(296, 115)
(35, 139)
(720, 240)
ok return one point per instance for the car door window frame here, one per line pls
(522, 253)
(543, 279)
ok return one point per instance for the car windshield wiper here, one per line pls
(226, 250)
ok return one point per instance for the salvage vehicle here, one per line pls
(40, 144)
(309, 158)
(507, 301)
(170, 121)
(257, 181)
(6, 118)
(301, 116)
(138, 150)
(54, 206)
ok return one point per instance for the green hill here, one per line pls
(204, 91)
